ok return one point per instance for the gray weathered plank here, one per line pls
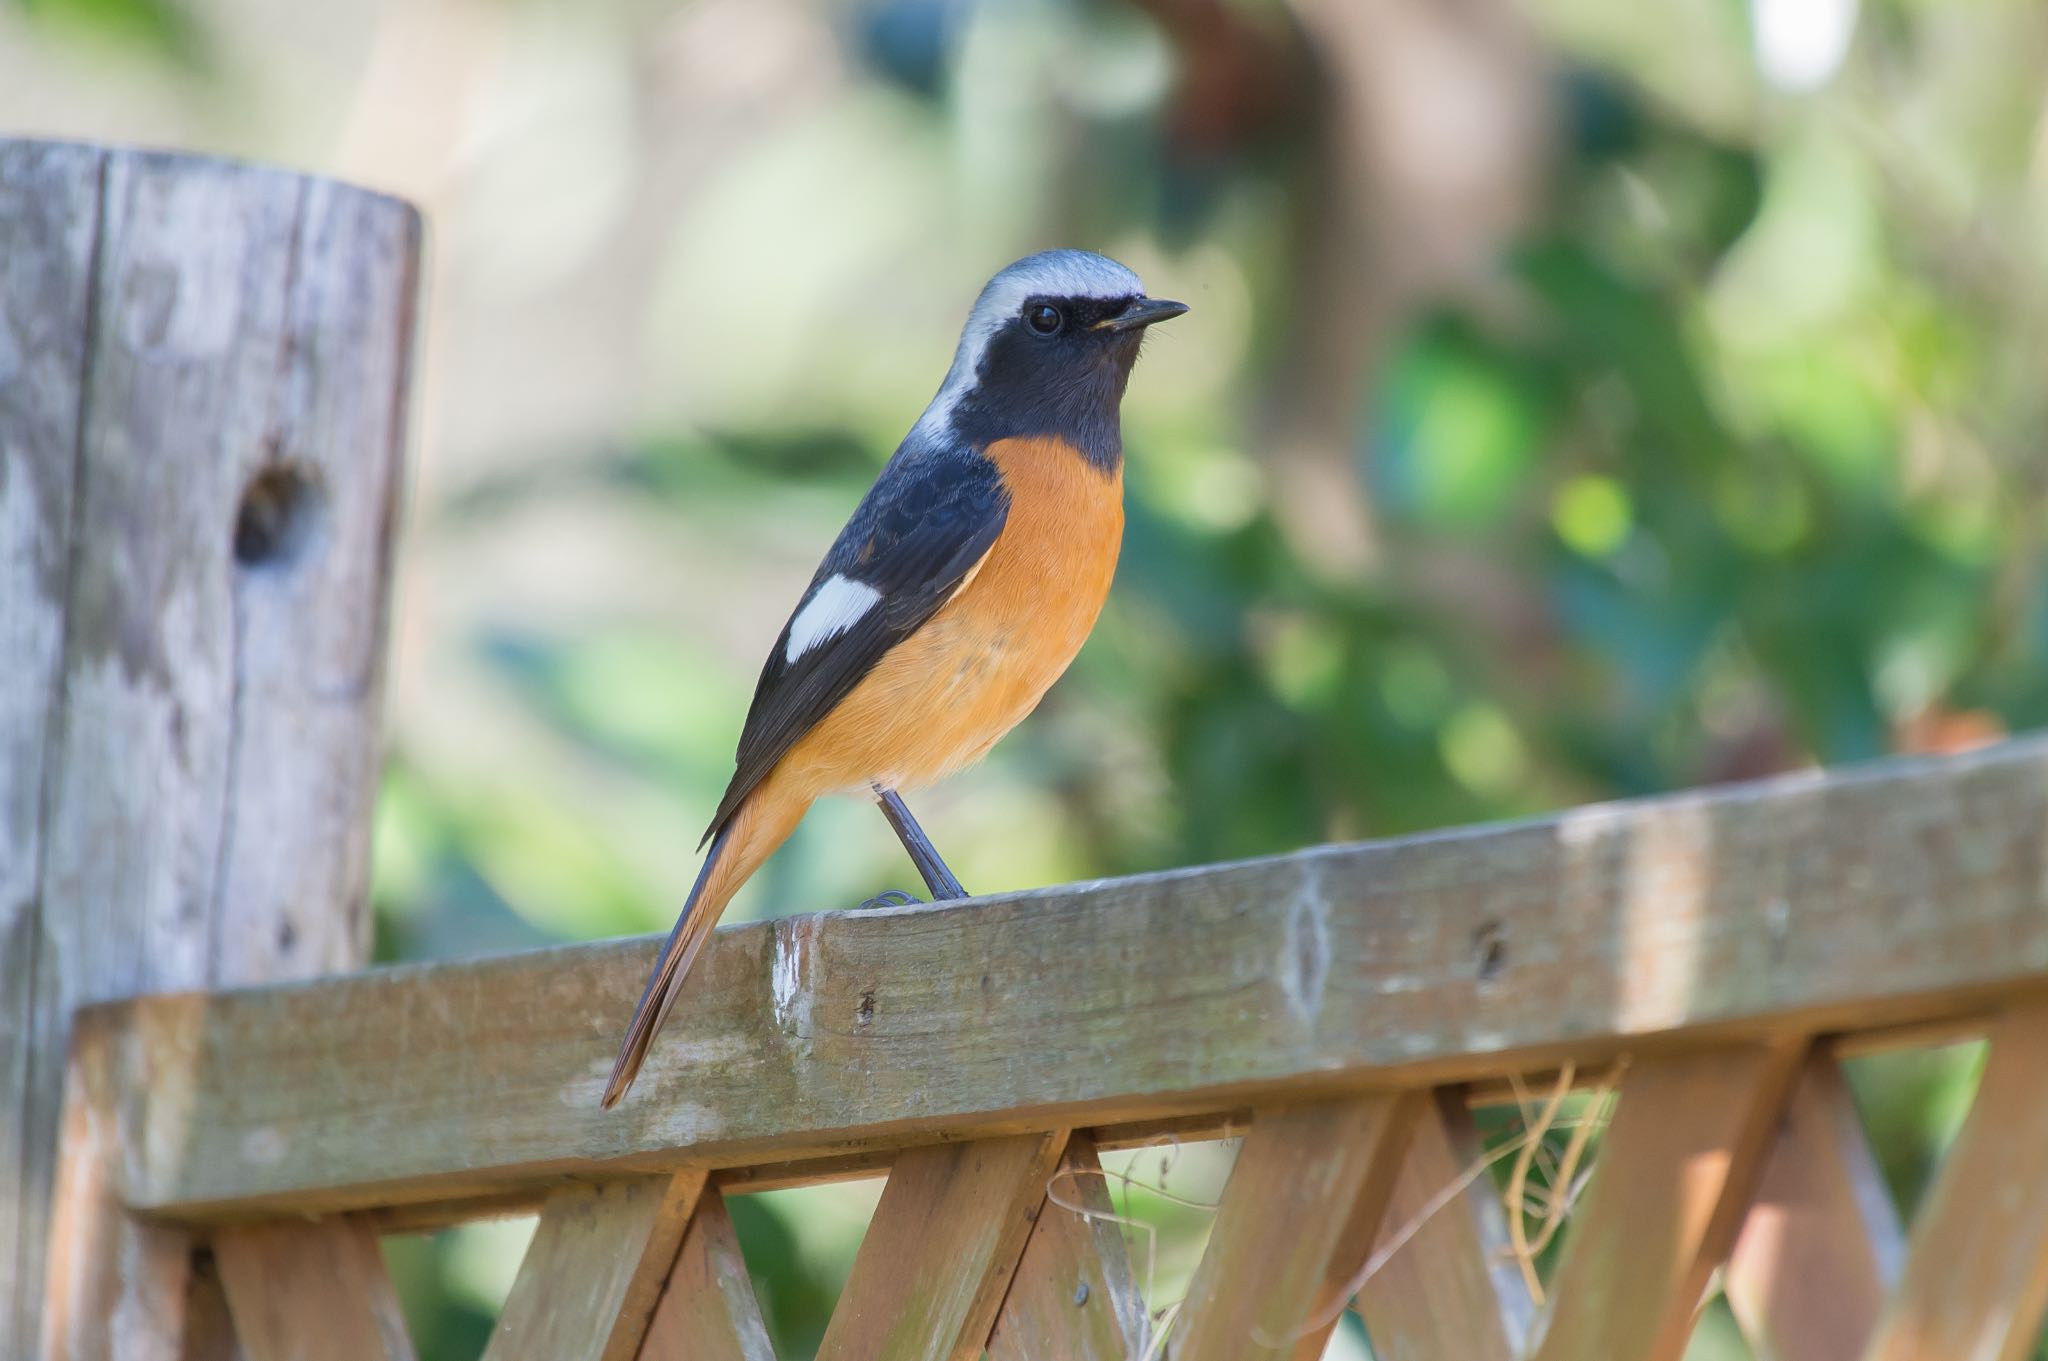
(1298, 1219)
(115, 1288)
(938, 1256)
(1975, 1283)
(1073, 1297)
(1677, 1167)
(707, 1310)
(1820, 1251)
(49, 226)
(1452, 1288)
(1901, 891)
(311, 1291)
(588, 1283)
(188, 752)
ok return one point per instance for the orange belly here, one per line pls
(941, 698)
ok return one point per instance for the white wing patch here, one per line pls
(832, 609)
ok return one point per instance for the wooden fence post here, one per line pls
(203, 376)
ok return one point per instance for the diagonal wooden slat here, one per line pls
(209, 1325)
(311, 1291)
(1450, 1290)
(940, 1251)
(707, 1311)
(588, 1283)
(114, 1284)
(1821, 1248)
(1976, 1276)
(1073, 1297)
(1676, 1171)
(1298, 1217)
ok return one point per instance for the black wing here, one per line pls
(931, 516)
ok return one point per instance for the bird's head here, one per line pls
(1047, 350)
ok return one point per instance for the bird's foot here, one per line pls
(893, 897)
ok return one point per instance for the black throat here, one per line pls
(1069, 387)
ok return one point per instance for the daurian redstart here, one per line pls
(965, 582)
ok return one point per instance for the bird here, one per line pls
(963, 584)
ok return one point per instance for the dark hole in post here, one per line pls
(279, 515)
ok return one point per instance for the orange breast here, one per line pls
(942, 697)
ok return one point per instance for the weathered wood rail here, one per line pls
(1908, 892)
(1722, 942)
(214, 351)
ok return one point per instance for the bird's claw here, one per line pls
(893, 897)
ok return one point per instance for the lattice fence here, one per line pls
(1709, 958)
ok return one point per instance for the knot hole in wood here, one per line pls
(281, 513)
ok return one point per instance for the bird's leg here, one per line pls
(923, 854)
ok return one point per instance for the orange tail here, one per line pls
(749, 837)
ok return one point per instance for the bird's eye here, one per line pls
(1044, 318)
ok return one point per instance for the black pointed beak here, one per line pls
(1142, 312)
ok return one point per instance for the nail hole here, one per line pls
(865, 1012)
(1490, 941)
(280, 514)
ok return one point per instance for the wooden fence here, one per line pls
(229, 1155)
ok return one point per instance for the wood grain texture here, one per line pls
(188, 746)
(871, 1157)
(49, 230)
(707, 1310)
(1976, 1276)
(311, 1292)
(1073, 1297)
(939, 1253)
(1299, 1215)
(1902, 891)
(588, 1283)
(1676, 1171)
(1450, 1290)
(1820, 1251)
(115, 1288)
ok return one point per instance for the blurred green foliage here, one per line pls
(1726, 460)
(159, 28)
